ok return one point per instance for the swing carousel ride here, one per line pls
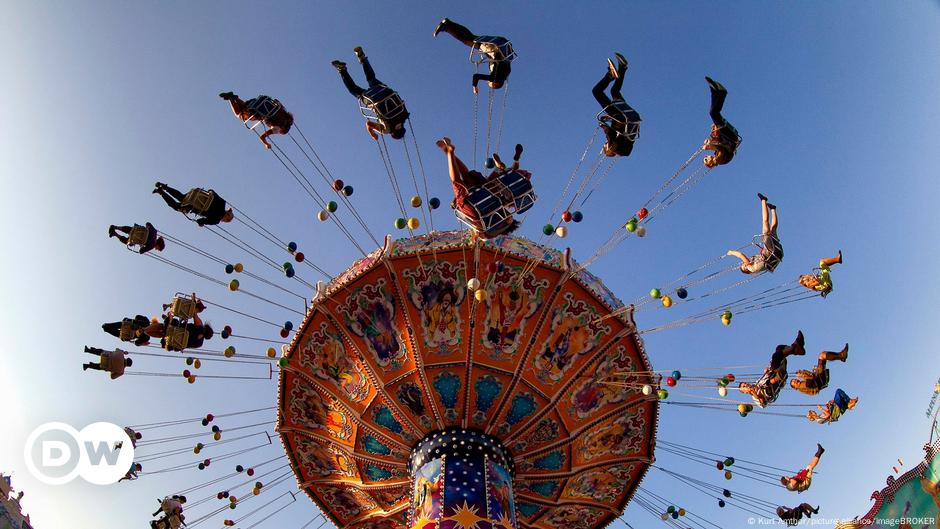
(464, 379)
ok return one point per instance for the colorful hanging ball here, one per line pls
(284, 333)
(642, 213)
(228, 329)
(677, 375)
(292, 247)
(473, 283)
(289, 325)
(197, 363)
(726, 493)
(728, 474)
(548, 229)
(232, 499)
(226, 493)
(225, 334)
(217, 436)
(416, 201)
(287, 264)
(233, 285)
(491, 267)
(189, 361)
(671, 509)
(647, 389)
(725, 321)
(289, 272)
(322, 215)
(210, 417)
(348, 191)
(682, 293)
(413, 223)
(655, 293)
(400, 223)
(239, 268)
(205, 422)
(726, 314)
(229, 351)
(662, 394)
(186, 373)
(215, 428)
(480, 295)
(566, 216)
(255, 492)
(664, 517)
(251, 472)
(721, 503)
(729, 461)
(258, 485)
(742, 408)
(337, 184)
(239, 468)
(331, 206)
(681, 512)
(202, 466)
(207, 462)
(675, 515)
(219, 496)
(561, 232)
(630, 226)
(577, 216)
(489, 163)
(723, 381)
(671, 382)
(720, 465)
(434, 202)
(282, 362)
(299, 257)
(272, 352)
(750, 407)
(730, 377)
(499, 266)
(229, 269)
(722, 391)
(641, 231)
(667, 301)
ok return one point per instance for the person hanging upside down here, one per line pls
(833, 409)
(185, 307)
(493, 47)
(620, 122)
(264, 109)
(174, 521)
(151, 241)
(804, 478)
(771, 252)
(465, 180)
(766, 390)
(792, 516)
(113, 362)
(392, 120)
(207, 204)
(195, 333)
(724, 139)
(821, 282)
(812, 382)
(170, 505)
(134, 329)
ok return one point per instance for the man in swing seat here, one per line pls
(723, 139)
(113, 362)
(207, 205)
(619, 121)
(497, 50)
(766, 390)
(146, 237)
(771, 252)
(388, 107)
(265, 109)
(811, 382)
(822, 281)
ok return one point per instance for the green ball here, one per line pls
(282, 362)
(723, 381)
(671, 509)
(729, 461)
(331, 206)
(655, 293)
(400, 223)
(548, 229)
(630, 226)
(662, 394)
(189, 361)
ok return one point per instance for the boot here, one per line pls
(518, 153)
(359, 53)
(84, 367)
(498, 162)
(800, 340)
(840, 257)
(87, 349)
(612, 70)
(819, 450)
(621, 60)
(715, 85)
(339, 65)
(227, 95)
(844, 353)
(440, 26)
(111, 231)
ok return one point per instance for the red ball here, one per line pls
(206, 462)
(251, 472)
(284, 333)
(566, 216)
(227, 329)
(220, 496)
(186, 373)
(670, 382)
(730, 377)
(209, 417)
(299, 257)
(338, 184)
(642, 213)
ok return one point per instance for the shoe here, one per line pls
(612, 70)
(621, 60)
(840, 257)
(359, 53)
(111, 233)
(819, 450)
(87, 349)
(762, 197)
(158, 186)
(844, 353)
(339, 65)
(715, 85)
(84, 367)
(499, 163)
(440, 26)
(816, 510)
(227, 95)
(771, 206)
(518, 153)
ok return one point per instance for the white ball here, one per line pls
(723, 391)
(323, 215)
(473, 284)
(561, 232)
(641, 231)
(647, 389)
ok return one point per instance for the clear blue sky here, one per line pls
(837, 103)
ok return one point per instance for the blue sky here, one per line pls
(836, 103)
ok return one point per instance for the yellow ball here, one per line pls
(217, 435)
(233, 285)
(416, 201)
(323, 215)
(667, 301)
(726, 321)
(229, 351)
(191, 379)
(480, 295)
(727, 474)
(271, 352)
(197, 363)
(239, 267)
(256, 491)
(413, 223)
(681, 512)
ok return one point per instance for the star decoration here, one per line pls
(466, 516)
(422, 521)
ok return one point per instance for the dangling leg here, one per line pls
(829, 356)
(168, 198)
(238, 106)
(745, 260)
(93, 365)
(599, 90)
(764, 214)
(719, 93)
(351, 85)
(457, 31)
(93, 351)
(833, 260)
(618, 80)
(815, 461)
(367, 68)
(455, 166)
(113, 328)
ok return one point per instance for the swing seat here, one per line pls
(492, 49)
(769, 391)
(138, 235)
(620, 113)
(262, 108)
(128, 332)
(771, 253)
(197, 200)
(520, 189)
(177, 338)
(492, 218)
(183, 308)
(381, 104)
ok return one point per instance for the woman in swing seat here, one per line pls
(620, 119)
(771, 252)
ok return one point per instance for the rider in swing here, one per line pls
(490, 46)
(257, 108)
(724, 139)
(619, 115)
(394, 126)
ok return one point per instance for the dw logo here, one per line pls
(57, 453)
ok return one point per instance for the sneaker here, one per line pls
(612, 70)
(359, 53)
(771, 206)
(715, 85)
(621, 60)
(762, 197)
(339, 65)
(440, 26)
(227, 95)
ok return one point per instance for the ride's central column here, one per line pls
(461, 478)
